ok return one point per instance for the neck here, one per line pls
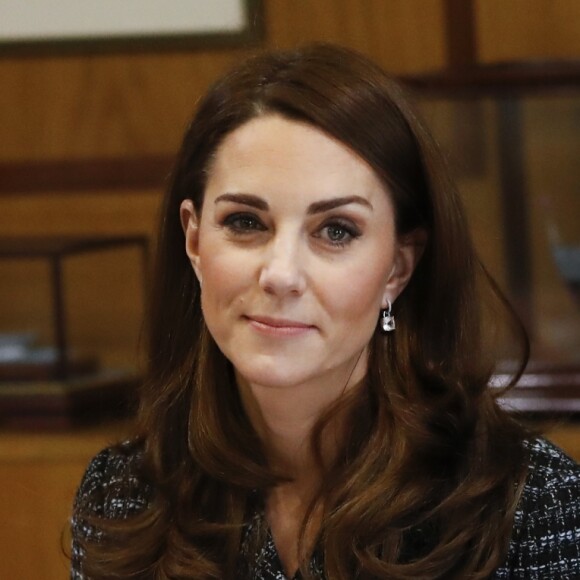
(284, 418)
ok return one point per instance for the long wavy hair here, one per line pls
(431, 469)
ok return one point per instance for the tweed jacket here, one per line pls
(544, 545)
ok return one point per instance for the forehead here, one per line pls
(272, 155)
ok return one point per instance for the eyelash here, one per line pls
(352, 232)
(233, 223)
(241, 224)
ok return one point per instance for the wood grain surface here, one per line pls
(527, 29)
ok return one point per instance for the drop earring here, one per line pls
(387, 318)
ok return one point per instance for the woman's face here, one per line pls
(297, 253)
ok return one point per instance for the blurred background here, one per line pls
(88, 131)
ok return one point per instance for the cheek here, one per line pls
(222, 288)
(225, 274)
(356, 297)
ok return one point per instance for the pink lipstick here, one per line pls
(278, 326)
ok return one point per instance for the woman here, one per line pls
(289, 427)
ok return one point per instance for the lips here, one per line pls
(278, 322)
(278, 326)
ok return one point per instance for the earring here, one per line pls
(388, 320)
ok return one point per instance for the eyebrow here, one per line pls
(314, 208)
(328, 204)
(244, 199)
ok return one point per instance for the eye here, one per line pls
(339, 233)
(243, 223)
(336, 233)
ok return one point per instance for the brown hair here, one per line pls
(429, 477)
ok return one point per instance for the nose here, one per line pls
(282, 272)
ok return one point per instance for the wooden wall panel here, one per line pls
(527, 29)
(403, 36)
(128, 104)
(101, 106)
(39, 474)
(33, 543)
(90, 213)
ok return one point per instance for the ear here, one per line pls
(190, 225)
(408, 252)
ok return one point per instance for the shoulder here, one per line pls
(552, 490)
(113, 485)
(551, 461)
(111, 488)
(546, 536)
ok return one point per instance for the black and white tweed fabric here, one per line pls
(545, 543)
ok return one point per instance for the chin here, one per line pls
(270, 374)
(272, 380)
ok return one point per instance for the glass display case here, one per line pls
(51, 385)
(512, 137)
